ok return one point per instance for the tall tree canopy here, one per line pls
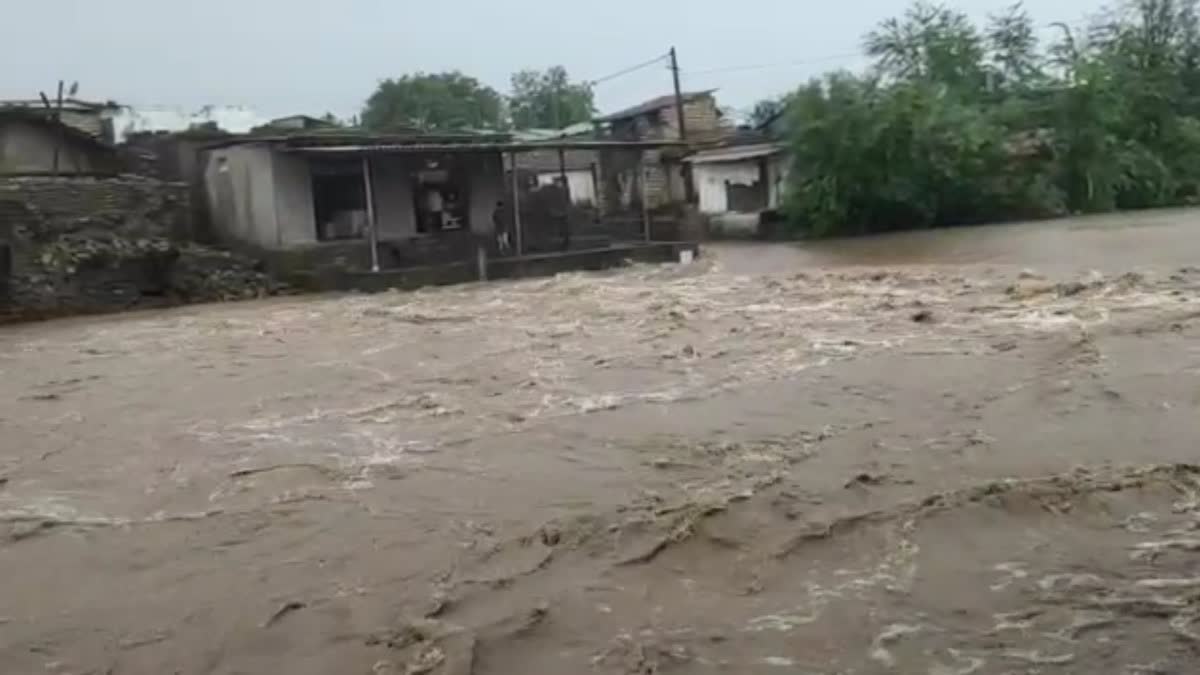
(957, 122)
(549, 100)
(434, 101)
(766, 111)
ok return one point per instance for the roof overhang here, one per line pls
(469, 148)
(735, 154)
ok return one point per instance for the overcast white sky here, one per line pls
(312, 56)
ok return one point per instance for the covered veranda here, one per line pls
(458, 195)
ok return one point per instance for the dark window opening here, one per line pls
(440, 203)
(339, 200)
(746, 198)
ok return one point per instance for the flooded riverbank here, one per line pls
(853, 457)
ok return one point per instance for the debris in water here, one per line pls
(283, 611)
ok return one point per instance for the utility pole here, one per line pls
(688, 189)
(678, 97)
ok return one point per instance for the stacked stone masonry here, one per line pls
(75, 245)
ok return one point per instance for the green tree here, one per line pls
(956, 124)
(549, 100)
(1015, 58)
(767, 110)
(435, 102)
(929, 43)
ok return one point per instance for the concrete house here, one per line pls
(409, 200)
(285, 192)
(739, 182)
(658, 119)
(31, 143)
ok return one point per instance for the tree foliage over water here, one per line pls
(959, 123)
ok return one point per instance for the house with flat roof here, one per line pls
(406, 199)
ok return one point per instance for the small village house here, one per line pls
(410, 199)
(32, 143)
(91, 118)
(293, 191)
(739, 182)
(658, 119)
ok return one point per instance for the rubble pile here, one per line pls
(204, 274)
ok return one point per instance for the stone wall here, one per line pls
(46, 208)
(90, 244)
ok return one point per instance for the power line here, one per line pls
(778, 64)
(626, 71)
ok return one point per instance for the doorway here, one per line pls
(339, 200)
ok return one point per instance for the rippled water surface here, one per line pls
(952, 452)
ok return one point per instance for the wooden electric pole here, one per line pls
(678, 97)
(688, 189)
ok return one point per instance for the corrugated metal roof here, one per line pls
(417, 147)
(735, 154)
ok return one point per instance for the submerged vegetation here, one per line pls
(959, 123)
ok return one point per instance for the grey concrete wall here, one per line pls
(240, 188)
(296, 219)
(29, 148)
(392, 185)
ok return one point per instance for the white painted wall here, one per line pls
(711, 179)
(296, 220)
(239, 182)
(581, 185)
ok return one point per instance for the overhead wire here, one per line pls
(626, 71)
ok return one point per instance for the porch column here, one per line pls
(641, 190)
(562, 173)
(372, 233)
(518, 238)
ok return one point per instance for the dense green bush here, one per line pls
(955, 124)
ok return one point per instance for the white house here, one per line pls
(736, 184)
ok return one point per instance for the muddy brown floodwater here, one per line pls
(907, 454)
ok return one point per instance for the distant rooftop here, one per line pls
(48, 122)
(654, 105)
(580, 129)
(68, 104)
